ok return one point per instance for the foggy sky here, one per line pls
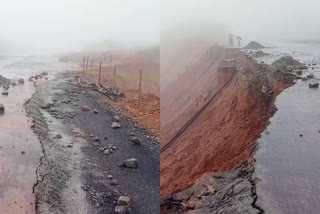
(63, 25)
(267, 20)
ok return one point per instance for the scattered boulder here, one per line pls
(21, 81)
(253, 45)
(114, 182)
(124, 201)
(260, 53)
(95, 111)
(106, 152)
(58, 136)
(310, 75)
(131, 163)
(115, 118)
(85, 108)
(5, 93)
(303, 67)
(314, 85)
(96, 139)
(136, 141)
(1, 109)
(115, 125)
(120, 210)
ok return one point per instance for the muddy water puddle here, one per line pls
(288, 158)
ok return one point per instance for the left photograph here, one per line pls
(79, 107)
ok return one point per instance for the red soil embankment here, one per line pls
(223, 134)
(185, 96)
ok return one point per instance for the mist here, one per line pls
(35, 26)
(270, 20)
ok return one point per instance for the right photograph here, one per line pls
(240, 107)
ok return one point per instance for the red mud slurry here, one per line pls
(19, 153)
(222, 135)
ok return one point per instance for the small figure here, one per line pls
(239, 38)
(231, 40)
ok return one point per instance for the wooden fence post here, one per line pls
(114, 77)
(140, 80)
(83, 64)
(100, 74)
(87, 64)
(91, 65)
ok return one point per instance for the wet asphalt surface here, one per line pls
(90, 167)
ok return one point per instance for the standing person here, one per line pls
(231, 40)
(239, 38)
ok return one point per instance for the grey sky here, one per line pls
(58, 25)
(253, 19)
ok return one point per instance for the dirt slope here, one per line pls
(225, 132)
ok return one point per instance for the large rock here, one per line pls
(120, 210)
(260, 53)
(1, 109)
(130, 163)
(21, 81)
(5, 93)
(115, 125)
(136, 141)
(115, 118)
(286, 63)
(124, 201)
(85, 108)
(314, 84)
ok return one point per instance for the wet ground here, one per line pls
(287, 161)
(20, 149)
(42, 172)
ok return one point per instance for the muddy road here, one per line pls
(53, 155)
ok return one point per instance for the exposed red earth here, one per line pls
(128, 65)
(224, 133)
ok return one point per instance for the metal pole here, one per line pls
(140, 80)
(114, 77)
(100, 73)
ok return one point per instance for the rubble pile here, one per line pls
(253, 45)
(260, 53)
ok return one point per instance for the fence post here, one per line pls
(87, 64)
(100, 74)
(114, 77)
(83, 64)
(140, 80)
(91, 65)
